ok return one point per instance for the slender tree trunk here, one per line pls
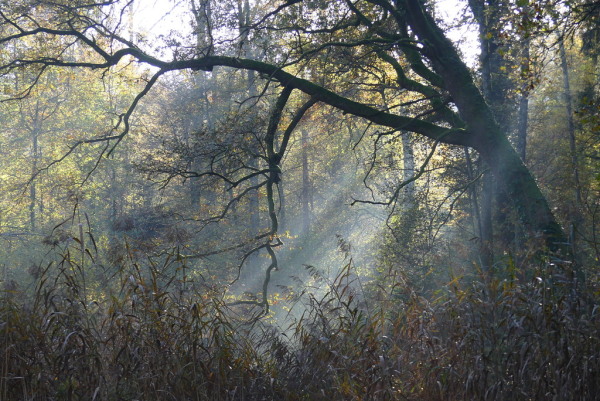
(306, 187)
(35, 157)
(570, 122)
(32, 187)
(476, 213)
(576, 216)
(243, 8)
(205, 83)
(482, 217)
(523, 119)
(114, 189)
(487, 233)
(408, 159)
(522, 127)
(487, 14)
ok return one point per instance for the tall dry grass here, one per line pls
(151, 333)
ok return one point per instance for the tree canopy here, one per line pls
(401, 37)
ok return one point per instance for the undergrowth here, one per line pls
(155, 334)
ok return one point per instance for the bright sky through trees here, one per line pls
(464, 35)
(161, 18)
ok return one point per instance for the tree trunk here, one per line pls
(32, 187)
(486, 242)
(575, 213)
(486, 14)
(245, 50)
(522, 126)
(570, 123)
(481, 214)
(524, 102)
(306, 189)
(408, 159)
(36, 126)
(488, 139)
(203, 83)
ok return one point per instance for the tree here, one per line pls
(343, 36)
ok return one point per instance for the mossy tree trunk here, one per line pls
(487, 137)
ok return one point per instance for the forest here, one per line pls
(299, 200)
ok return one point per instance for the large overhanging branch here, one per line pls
(433, 131)
(344, 104)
